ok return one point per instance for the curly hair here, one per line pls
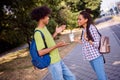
(40, 12)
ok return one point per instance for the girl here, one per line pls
(90, 44)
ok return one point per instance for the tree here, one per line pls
(78, 5)
(69, 17)
(16, 25)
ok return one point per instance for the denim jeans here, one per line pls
(60, 71)
(98, 66)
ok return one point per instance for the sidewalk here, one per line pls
(83, 70)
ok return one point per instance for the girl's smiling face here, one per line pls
(81, 20)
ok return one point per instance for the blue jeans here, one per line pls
(98, 66)
(60, 71)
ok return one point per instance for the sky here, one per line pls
(106, 4)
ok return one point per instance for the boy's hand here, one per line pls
(60, 29)
(61, 44)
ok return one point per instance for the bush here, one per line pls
(52, 26)
(4, 46)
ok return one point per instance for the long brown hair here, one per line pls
(86, 15)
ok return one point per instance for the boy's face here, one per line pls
(46, 20)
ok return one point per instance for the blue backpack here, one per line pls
(39, 61)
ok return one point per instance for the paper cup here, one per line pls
(71, 36)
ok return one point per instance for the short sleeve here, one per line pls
(39, 41)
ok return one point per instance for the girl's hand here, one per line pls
(91, 42)
(77, 39)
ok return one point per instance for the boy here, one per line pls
(57, 67)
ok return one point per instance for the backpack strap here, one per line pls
(42, 37)
(98, 31)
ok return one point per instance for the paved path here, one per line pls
(116, 31)
(82, 69)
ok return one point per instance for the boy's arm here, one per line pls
(55, 34)
(47, 50)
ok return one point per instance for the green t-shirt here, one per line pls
(55, 57)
